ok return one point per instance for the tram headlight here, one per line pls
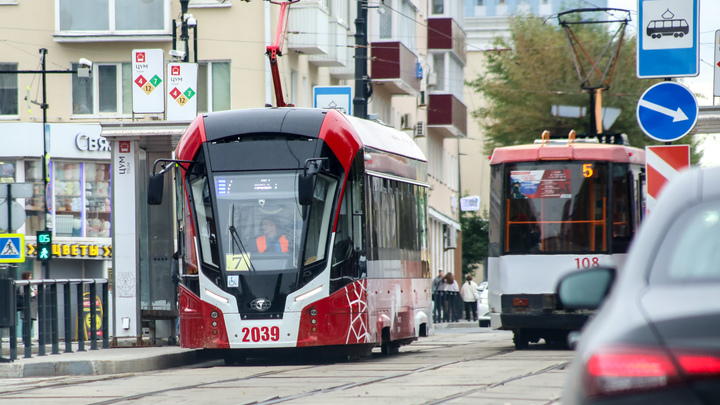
(313, 321)
(313, 312)
(214, 315)
(214, 324)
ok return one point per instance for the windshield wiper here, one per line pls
(236, 241)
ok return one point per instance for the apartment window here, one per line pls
(8, 89)
(438, 6)
(213, 87)
(106, 17)
(107, 91)
(386, 17)
(480, 3)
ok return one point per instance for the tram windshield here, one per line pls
(564, 207)
(260, 224)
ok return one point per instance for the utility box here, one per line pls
(7, 303)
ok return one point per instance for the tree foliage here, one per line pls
(475, 240)
(536, 71)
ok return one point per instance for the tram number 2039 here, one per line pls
(587, 262)
(261, 334)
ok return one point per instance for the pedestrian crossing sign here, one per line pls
(11, 248)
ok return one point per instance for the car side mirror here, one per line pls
(586, 289)
(155, 189)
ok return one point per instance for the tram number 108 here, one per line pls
(261, 334)
(587, 262)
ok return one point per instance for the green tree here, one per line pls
(475, 241)
(534, 70)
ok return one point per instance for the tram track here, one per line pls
(379, 373)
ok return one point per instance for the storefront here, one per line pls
(78, 195)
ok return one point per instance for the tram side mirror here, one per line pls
(306, 187)
(155, 189)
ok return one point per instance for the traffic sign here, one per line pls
(148, 83)
(339, 97)
(662, 164)
(11, 248)
(668, 38)
(667, 111)
(17, 216)
(716, 68)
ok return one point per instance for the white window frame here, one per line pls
(111, 33)
(209, 3)
(95, 78)
(209, 68)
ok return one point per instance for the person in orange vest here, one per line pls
(270, 241)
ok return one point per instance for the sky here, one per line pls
(703, 83)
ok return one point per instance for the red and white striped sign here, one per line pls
(662, 164)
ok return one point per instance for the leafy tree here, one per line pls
(475, 240)
(534, 71)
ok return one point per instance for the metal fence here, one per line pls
(448, 306)
(49, 313)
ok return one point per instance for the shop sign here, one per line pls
(74, 250)
(91, 143)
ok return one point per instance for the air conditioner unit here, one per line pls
(419, 129)
(432, 79)
(405, 120)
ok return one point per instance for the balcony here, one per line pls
(308, 25)
(395, 67)
(337, 50)
(446, 34)
(447, 116)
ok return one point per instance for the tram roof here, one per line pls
(307, 122)
(568, 151)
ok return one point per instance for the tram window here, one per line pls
(553, 207)
(320, 214)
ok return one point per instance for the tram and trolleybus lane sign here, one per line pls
(11, 248)
(667, 111)
(667, 40)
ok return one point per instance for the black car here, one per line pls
(656, 336)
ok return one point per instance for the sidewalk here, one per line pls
(126, 359)
(114, 360)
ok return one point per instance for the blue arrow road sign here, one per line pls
(667, 111)
(11, 248)
(667, 39)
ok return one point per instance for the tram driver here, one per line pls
(270, 241)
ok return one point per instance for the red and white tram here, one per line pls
(557, 206)
(300, 228)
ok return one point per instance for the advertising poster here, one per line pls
(540, 184)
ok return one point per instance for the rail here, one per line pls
(47, 315)
(448, 306)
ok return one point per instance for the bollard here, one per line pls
(93, 317)
(68, 317)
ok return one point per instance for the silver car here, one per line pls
(656, 336)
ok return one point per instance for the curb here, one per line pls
(96, 367)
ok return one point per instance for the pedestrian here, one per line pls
(469, 295)
(437, 296)
(27, 325)
(452, 306)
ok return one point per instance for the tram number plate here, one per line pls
(587, 262)
(261, 334)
